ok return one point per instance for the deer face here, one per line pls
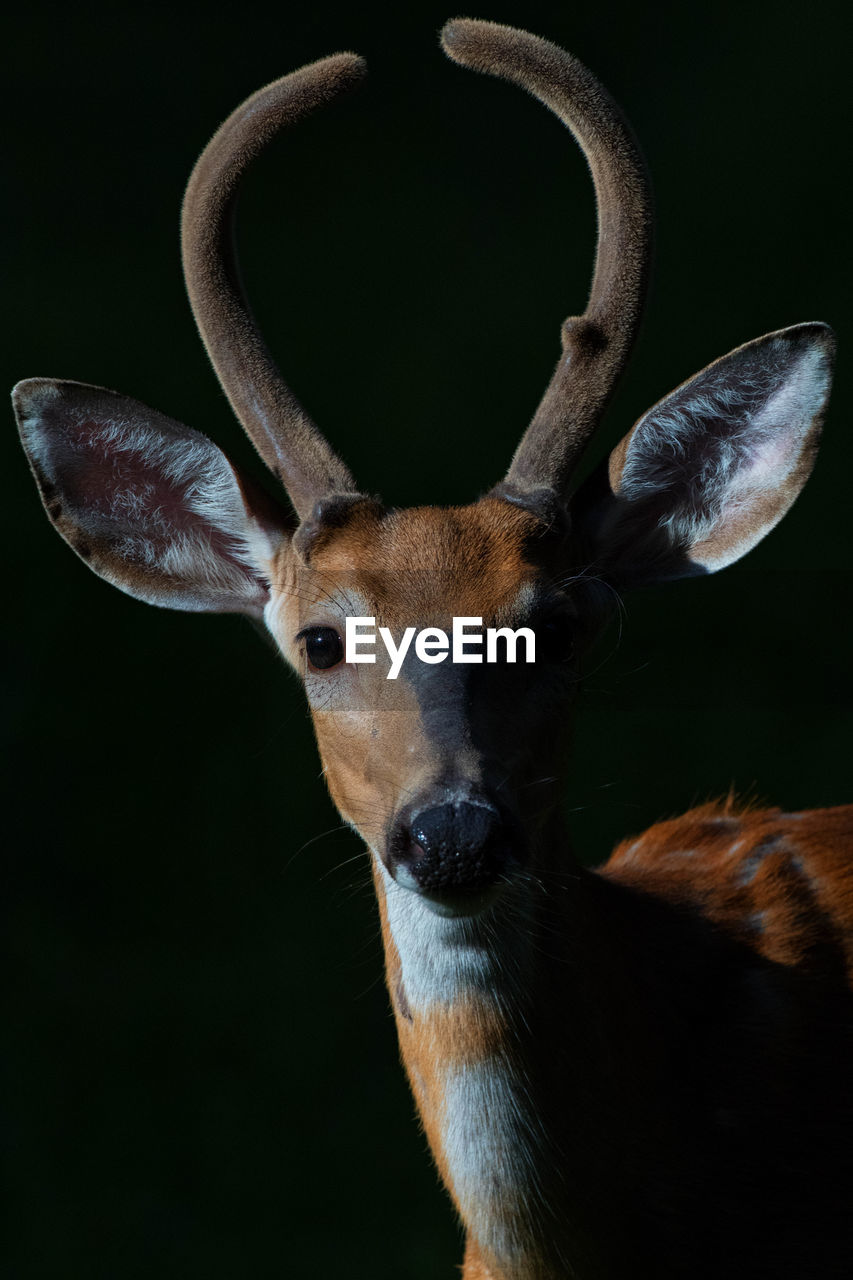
(442, 767)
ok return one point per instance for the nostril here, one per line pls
(460, 846)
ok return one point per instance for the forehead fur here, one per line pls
(457, 560)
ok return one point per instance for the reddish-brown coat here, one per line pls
(781, 883)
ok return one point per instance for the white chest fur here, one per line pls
(490, 1132)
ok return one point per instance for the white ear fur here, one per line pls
(707, 472)
(152, 506)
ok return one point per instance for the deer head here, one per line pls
(436, 767)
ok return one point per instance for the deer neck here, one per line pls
(502, 1032)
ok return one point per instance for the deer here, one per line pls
(640, 1069)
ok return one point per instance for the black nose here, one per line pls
(451, 848)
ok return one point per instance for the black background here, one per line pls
(202, 1077)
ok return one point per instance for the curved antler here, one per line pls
(284, 435)
(596, 345)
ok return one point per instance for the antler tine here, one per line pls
(281, 430)
(596, 345)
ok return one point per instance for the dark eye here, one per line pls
(556, 639)
(323, 647)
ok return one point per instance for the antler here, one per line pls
(281, 430)
(597, 344)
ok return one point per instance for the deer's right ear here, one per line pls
(153, 507)
(706, 473)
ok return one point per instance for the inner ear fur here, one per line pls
(707, 472)
(151, 505)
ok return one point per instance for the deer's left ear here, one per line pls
(152, 506)
(707, 472)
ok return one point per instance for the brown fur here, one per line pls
(780, 883)
(460, 1035)
(279, 427)
(596, 345)
(428, 564)
(483, 549)
(665, 1043)
(474, 1266)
